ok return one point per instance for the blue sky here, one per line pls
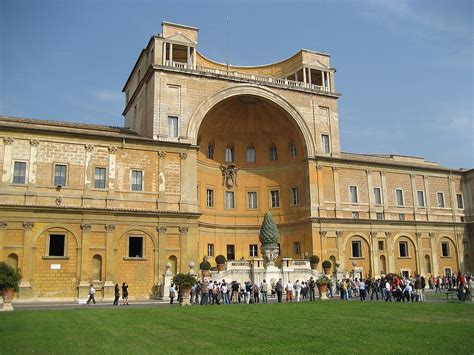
(405, 68)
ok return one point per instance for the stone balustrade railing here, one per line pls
(247, 77)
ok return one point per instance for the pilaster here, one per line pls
(374, 259)
(110, 262)
(419, 252)
(434, 254)
(390, 255)
(7, 162)
(161, 249)
(188, 179)
(25, 291)
(337, 196)
(340, 249)
(3, 233)
(85, 262)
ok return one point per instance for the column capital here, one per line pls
(161, 229)
(459, 235)
(369, 171)
(109, 228)
(388, 234)
(28, 226)
(183, 155)
(335, 169)
(162, 154)
(382, 173)
(3, 225)
(339, 234)
(89, 148)
(431, 234)
(183, 230)
(418, 234)
(319, 167)
(322, 233)
(86, 227)
(34, 142)
(8, 140)
(112, 149)
(373, 234)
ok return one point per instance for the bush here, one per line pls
(184, 280)
(323, 280)
(220, 259)
(327, 264)
(9, 277)
(314, 259)
(205, 265)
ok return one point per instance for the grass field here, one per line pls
(340, 327)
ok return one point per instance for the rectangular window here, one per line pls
(325, 143)
(230, 252)
(229, 155)
(210, 250)
(356, 249)
(460, 201)
(292, 148)
(19, 172)
(137, 180)
(401, 216)
(99, 178)
(210, 151)
(295, 196)
(405, 274)
(403, 247)
(399, 194)
(355, 215)
(251, 199)
(172, 126)
(253, 250)
(447, 271)
(273, 153)
(440, 200)
(421, 198)
(297, 248)
(353, 194)
(381, 245)
(377, 195)
(275, 196)
(135, 247)
(60, 175)
(379, 215)
(209, 198)
(229, 199)
(57, 243)
(250, 155)
(444, 248)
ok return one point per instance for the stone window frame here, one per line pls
(105, 180)
(213, 204)
(247, 204)
(210, 151)
(234, 200)
(407, 256)
(229, 148)
(443, 200)
(323, 146)
(171, 118)
(13, 171)
(250, 146)
(356, 194)
(379, 214)
(270, 201)
(131, 179)
(292, 196)
(48, 244)
(450, 271)
(396, 197)
(423, 198)
(211, 250)
(292, 150)
(405, 270)
(445, 241)
(297, 247)
(459, 206)
(375, 195)
(381, 245)
(361, 255)
(273, 152)
(66, 182)
(127, 247)
(253, 250)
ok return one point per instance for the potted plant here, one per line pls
(220, 261)
(9, 281)
(184, 282)
(327, 266)
(314, 261)
(323, 283)
(205, 266)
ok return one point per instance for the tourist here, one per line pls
(264, 291)
(438, 285)
(422, 290)
(362, 292)
(117, 295)
(125, 293)
(214, 291)
(461, 281)
(204, 292)
(297, 287)
(256, 293)
(91, 294)
(407, 291)
(235, 292)
(388, 291)
(172, 293)
(225, 296)
(279, 290)
(273, 284)
(312, 288)
(248, 292)
(289, 291)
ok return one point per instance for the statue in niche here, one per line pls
(229, 175)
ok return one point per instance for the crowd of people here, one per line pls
(388, 288)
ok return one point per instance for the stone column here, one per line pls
(390, 255)
(434, 254)
(374, 260)
(28, 262)
(337, 195)
(188, 56)
(7, 162)
(3, 232)
(309, 75)
(110, 262)
(111, 177)
(183, 246)
(304, 75)
(419, 253)
(171, 54)
(85, 261)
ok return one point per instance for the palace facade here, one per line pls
(205, 151)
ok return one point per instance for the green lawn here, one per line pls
(331, 326)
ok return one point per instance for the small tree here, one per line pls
(9, 277)
(314, 259)
(205, 265)
(184, 280)
(220, 259)
(327, 264)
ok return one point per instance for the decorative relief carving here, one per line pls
(110, 227)
(183, 155)
(161, 229)
(59, 200)
(229, 175)
(89, 148)
(183, 230)
(28, 225)
(8, 140)
(86, 227)
(322, 233)
(162, 153)
(112, 149)
(34, 142)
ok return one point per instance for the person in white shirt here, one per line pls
(407, 292)
(289, 291)
(388, 292)
(91, 294)
(362, 291)
(297, 286)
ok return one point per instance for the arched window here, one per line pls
(210, 151)
(250, 154)
(273, 153)
(229, 154)
(12, 260)
(427, 264)
(292, 149)
(382, 264)
(97, 268)
(173, 260)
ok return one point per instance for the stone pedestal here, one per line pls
(25, 291)
(109, 291)
(83, 289)
(272, 273)
(167, 279)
